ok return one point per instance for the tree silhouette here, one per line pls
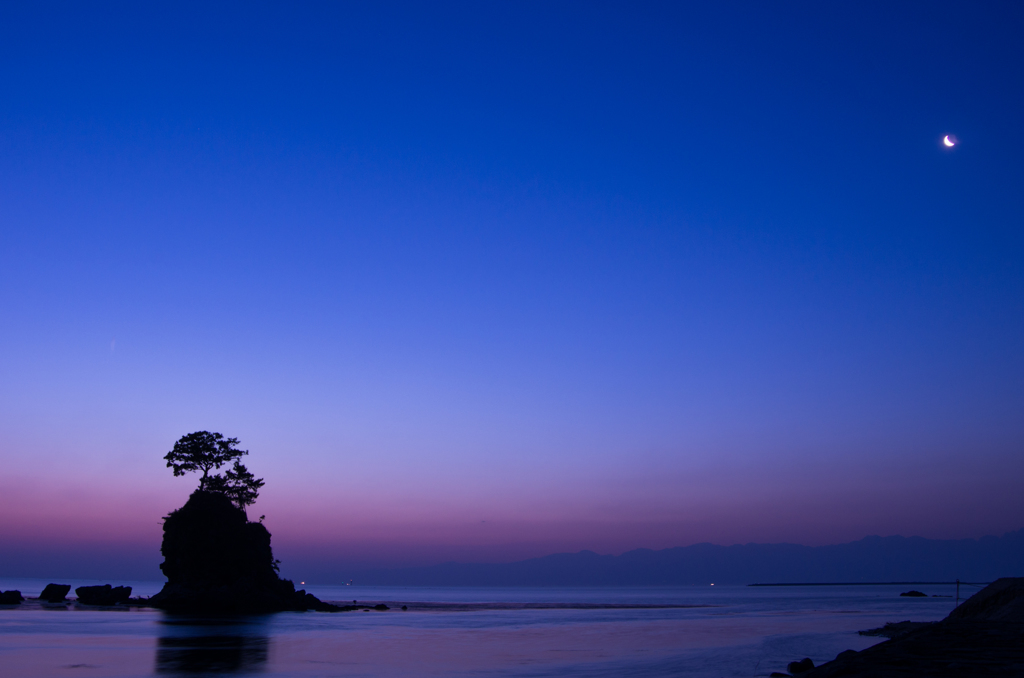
(205, 451)
(240, 486)
(202, 451)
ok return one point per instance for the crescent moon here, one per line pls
(949, 142)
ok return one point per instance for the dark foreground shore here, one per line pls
(982, 637)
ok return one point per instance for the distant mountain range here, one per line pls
(872, 559)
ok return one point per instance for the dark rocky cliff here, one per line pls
(982, 637)
(216, 561)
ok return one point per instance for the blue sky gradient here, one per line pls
(486, 281)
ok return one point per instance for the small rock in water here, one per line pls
(913, 594)
(10, 597)
(801, 666)
(103, 595)
(54, 593)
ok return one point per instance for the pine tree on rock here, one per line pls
(206, 452)
(215, 559)
(202, 451)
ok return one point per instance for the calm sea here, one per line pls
(529, 632)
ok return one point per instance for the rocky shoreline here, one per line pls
(982, 637)
(116, 601)
(217, 562)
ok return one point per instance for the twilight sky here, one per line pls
(486, 281)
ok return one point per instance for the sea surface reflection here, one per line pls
(682, 632)
(201, 646)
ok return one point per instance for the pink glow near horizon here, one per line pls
(409, 522)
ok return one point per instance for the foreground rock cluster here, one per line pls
(217, 561)
(105, 595)
(982, 637)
